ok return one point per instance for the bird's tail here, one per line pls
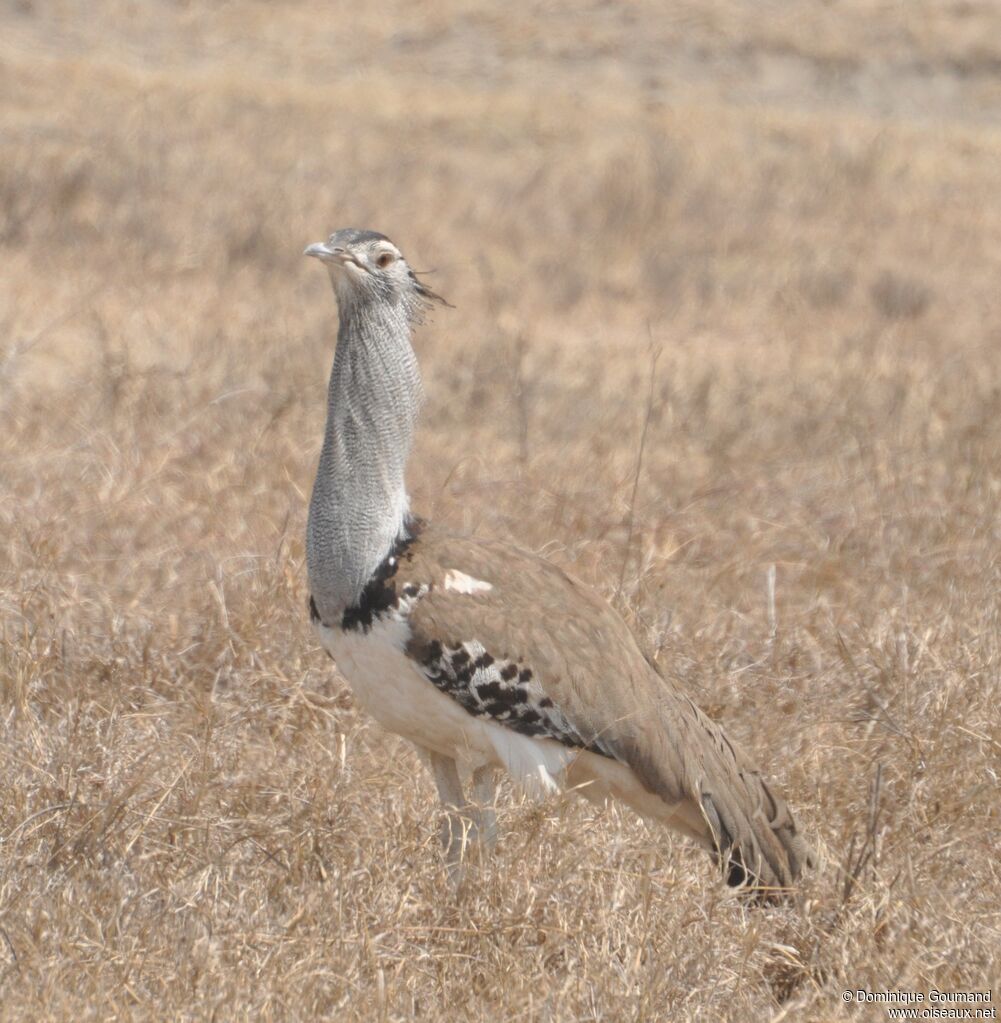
(720, 798)
(750, 828)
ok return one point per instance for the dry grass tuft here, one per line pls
(196, 822)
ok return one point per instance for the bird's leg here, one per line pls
(456, 826)
(485, 797)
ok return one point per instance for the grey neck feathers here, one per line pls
(359, 506)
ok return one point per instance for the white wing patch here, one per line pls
(459, 582)
(537, 764)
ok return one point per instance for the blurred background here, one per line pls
(725, 343)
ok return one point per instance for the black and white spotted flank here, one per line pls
(502, 691)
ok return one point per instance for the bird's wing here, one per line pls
(515, 639)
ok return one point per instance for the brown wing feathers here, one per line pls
(545, 655)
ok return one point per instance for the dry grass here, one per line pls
(196, 822)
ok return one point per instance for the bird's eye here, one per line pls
(384, 260)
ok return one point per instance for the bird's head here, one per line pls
(367, 267)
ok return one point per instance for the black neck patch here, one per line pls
(380, 594)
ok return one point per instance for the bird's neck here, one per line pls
(359, 507)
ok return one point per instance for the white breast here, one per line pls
(392, 688)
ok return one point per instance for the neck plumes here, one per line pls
(359, 507)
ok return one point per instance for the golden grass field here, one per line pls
(797, 205)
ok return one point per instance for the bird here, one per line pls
(487, 657)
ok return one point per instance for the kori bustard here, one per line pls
(485, 656)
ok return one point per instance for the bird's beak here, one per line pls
(333, 255)
(324, 252)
